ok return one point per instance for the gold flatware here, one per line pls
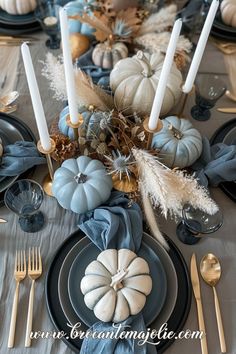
(9, 98)
(34, 272)
(19, 274)
(197, 294)
(3, 221)
(227, 110)
(211, 272)
(8, 109)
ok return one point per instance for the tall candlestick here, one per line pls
(36, 99)
(187, 87)
(167, 64)
(68, 66)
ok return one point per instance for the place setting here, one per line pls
(119, 156)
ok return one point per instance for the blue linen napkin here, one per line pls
(19, 157)
(216, 164)
(99, 76)
(118, 224)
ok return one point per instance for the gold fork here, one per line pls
(19, 274)
(34, 272)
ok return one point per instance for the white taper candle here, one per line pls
(68, 67)
(36, 99)
(187, 87)
(166, 68)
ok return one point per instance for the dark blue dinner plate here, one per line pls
(16, 20)
(155, 300)
(175, 322)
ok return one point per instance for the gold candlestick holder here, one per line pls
(75, 127)
(186, 96)
(47, 182)
(151, 132)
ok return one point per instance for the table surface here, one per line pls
(61, 223)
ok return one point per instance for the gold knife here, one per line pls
(2, 221)
(197, 294)
(227, 110)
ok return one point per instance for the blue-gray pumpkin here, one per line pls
(179, 143)
(81, 184)
(91, 125)
(74, 8)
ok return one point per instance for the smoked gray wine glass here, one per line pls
(196, 223)
(208, 88)
(24, 197)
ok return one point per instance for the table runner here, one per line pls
(61, 223)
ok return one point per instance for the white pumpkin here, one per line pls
(134, 82)
(228, 12)
(115, 285)
(106, 54)
(18, 7)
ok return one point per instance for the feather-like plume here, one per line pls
(53, 70)
(90, 94)
(169, 189)
(160, 21)
(87, 92)
(158, 42)
(151, 219)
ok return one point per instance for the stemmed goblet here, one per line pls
(47, 13)
(209, 88)
(195, 223)
(24, 198)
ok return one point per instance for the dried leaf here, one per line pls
(90, 94)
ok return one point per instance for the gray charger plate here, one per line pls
(9, 135)
(154, 301)
(172, 283)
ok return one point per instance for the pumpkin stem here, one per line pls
(116, 280)
(177, 134)
(147, 70)
(80, 178)
(110, 40)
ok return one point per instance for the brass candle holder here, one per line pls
(186, 96)
(151, 132)
(47, 182)
(76, 126)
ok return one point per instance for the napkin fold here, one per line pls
(19, 157)
(117, 224)
(99, 76)
(216, 164)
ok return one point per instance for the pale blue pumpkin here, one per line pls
(81, 184)
(74, 8)
(179, 143)
(91, 125)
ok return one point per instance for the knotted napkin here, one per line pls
(19, 157)
(216, 164)
(118, 224)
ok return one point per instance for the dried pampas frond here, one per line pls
(151, 219)
(90, 94)
(53, 70)
(87, 92)
(160, 21)
(169, 189)
(158, 42)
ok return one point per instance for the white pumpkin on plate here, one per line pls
(115, 286)
(18, 7)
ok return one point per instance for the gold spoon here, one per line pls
(211, 271)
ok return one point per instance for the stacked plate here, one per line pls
(222, 31)
(17, 24)
(226, 134)
(12, 130)
(168, 302)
